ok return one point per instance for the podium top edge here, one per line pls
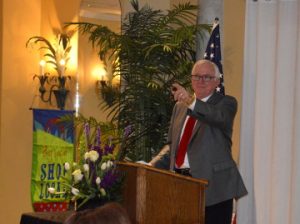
(167, 172)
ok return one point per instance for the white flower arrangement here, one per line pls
(95, 176)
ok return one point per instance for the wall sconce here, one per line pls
(101, 83)
(105, 89)
(56, 55)
(101, 74)
(53, 84)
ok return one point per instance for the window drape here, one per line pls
(270, 125)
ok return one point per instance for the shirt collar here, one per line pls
(206, 98)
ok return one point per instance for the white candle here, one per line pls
(62, 66)
(102, 73)
(42, 67)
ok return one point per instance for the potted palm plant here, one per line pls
(57, 55)
(154, 49)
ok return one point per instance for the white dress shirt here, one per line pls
(191, 106)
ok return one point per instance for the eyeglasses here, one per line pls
(205, 78)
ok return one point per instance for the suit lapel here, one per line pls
(214, 99)
(180, 118)
(198, 125)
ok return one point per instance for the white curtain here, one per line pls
(270, 126)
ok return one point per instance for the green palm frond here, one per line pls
(47, 46)
(52, 53)
(100, 36)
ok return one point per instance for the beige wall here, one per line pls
(16, 98)
(19, 21)
(233, 50)
(23, 19)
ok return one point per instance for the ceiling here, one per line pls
(101, 9)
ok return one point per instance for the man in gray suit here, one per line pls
(207, 153)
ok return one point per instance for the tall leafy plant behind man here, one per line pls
(154, 49)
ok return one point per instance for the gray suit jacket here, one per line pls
(209, 150)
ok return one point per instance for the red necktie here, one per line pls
(187, 133)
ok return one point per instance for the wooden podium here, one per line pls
(154, 196)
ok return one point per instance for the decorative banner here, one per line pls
(53, 145)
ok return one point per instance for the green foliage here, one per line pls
(154, 50)
(53, 52)
(108, 129)
(93, 177)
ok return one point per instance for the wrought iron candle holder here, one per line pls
(53, 85)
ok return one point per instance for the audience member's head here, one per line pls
(110, 213)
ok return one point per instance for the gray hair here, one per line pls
(204, 61)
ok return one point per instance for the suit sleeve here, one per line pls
(220, 114)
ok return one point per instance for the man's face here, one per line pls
(204, 80)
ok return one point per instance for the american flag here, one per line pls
(213, 53)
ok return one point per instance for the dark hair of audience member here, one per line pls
(110, 213)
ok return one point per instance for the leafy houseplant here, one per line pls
(154, 49)
(57, 55)
(94, 177)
